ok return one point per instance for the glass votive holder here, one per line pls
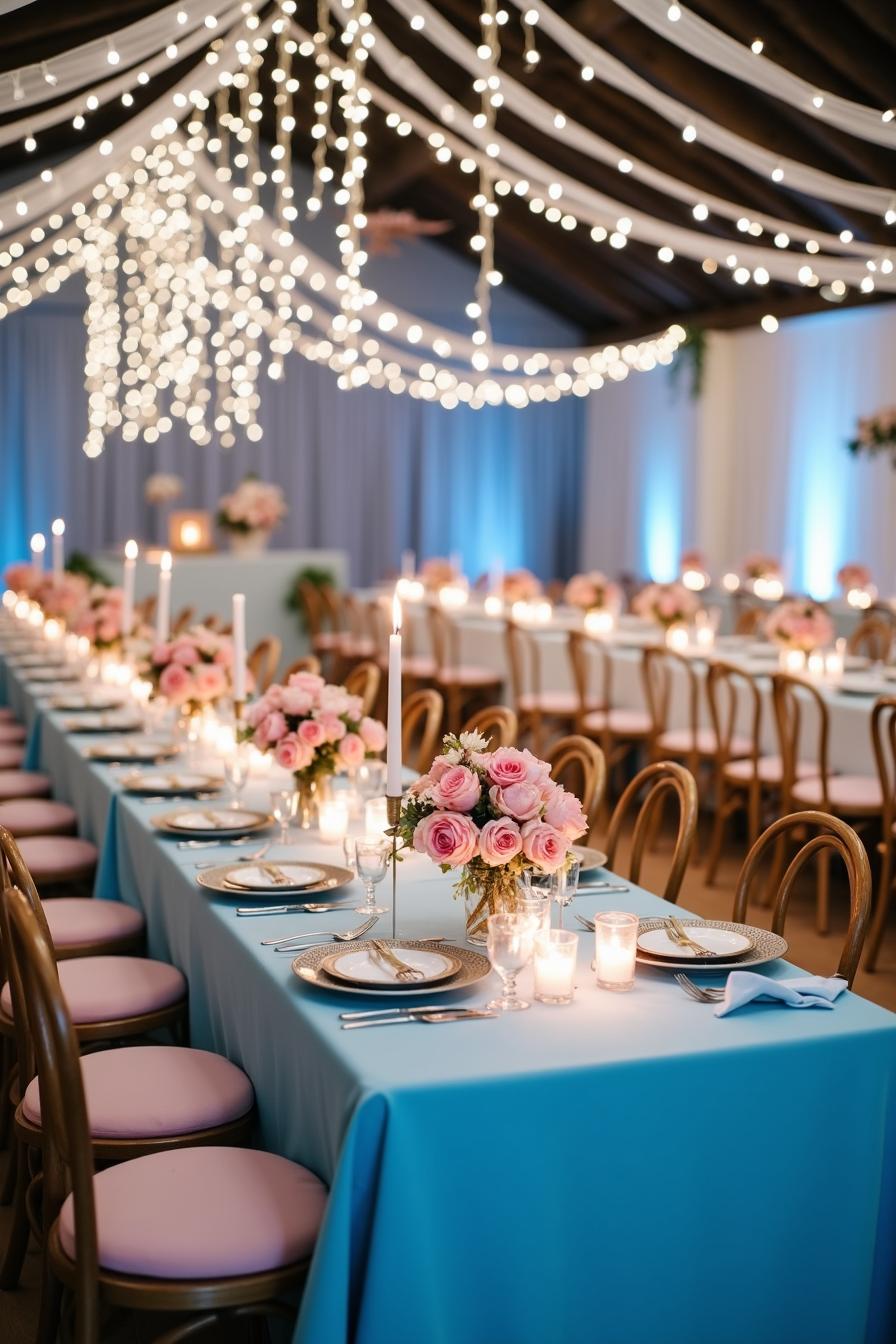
(554, 964)
(615, 945)
(536, 903)
(332, 819)
(376, 816)
(370, 778)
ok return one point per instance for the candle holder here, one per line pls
(393, 813)
(239, 709)
(615, 947)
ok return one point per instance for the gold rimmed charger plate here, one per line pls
(135, 752)
(308, 966)
(589, 859)
(250, 821)
(331, 966)
(83, 704)
(767, 946)
(157, 783)
(333, 878)
(45, 673)
(102, 723)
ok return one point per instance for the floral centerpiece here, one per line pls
(857, 585)
(799, 624)
(876, 434)
(494, 815)
(693, 570)
(759, 566)
(437, 571)
(519, 585)
(162, 487)
(592, 591)
(251, 512)
(191, 670)
(313, 729)
(62, 596)
(24, 579)
(99, 618)
(666, 603)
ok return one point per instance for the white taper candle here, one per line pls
(393, 719)
(127, 588)
(58, 530)
(38, 546)
(163, 603)
(239, 646)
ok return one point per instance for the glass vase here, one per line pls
(490, 896)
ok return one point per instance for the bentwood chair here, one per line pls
(262, 661)
(579, 765)
(834, 835)
(883, 739)
(856, 797)
(618, 730)
(323, 632)
(663, 671)
(461, 684)
(421, 722)
(497, 723)
(355, 642)
(364, 680)
(659, 779)
(309, 663)
(534, 705)
(748, 620)
(873, 638)
(214, 1231)
(417, 669)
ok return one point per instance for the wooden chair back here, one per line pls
(584, 653)
(183, 620)
(658, 671)
(364, 680)
(660, 779)
(790, 697)
(212, 621)
(523, 662)
(748, 620)
(356, 618)
(262, 661)
(144, 612)
(495, 722)
(329, 606)
(883, 740)
(580, 766)
(444, 640)
(307, 664)
(312, 605)
(421, 723)
(835, 835)
(873, 638)
(734, 700)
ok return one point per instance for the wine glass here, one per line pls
(236, 772)
(348, 853)
(372, 860)
(566, 884)
(284, 803)
(509, 948)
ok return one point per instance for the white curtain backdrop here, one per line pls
(758, 462)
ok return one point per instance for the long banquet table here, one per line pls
(628, 1168)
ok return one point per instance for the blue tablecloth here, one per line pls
(629, 1168)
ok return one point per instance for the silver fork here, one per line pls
(586, 923)
(401, 968)
(700, 993)
(222, 844)
(296, 942)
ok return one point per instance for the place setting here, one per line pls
(218, 822)
(133, 750)
(106, 721)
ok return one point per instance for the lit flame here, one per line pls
(396, 614)
(130, 550)
(165, 562)
(38, 542)
(58, 527)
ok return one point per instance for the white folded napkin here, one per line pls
(809, 991)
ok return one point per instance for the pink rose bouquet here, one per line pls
(855, 576)
(99, 619)
(758, 566)
(254, 506)
(593, 591)
(494, 815)
(192, 669)
(24, 579)
(519, 585)
(313, 728)
(437, 571)
(62, 596)
(800, 624)
(666, 603)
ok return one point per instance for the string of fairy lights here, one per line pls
(188, 233)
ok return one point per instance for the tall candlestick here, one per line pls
(58, 530)
(38, 546)
(163, 604)
(127, 588)
(239, 647)
(393, 725)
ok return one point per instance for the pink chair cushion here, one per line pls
(48, 856)
(197, 1213)
(418, 665)
(23, 784)
(549, 702)
(11, 757)
(12, 733)
(623, 722)
(854, 793)
(680, 741)
(469, 676)
(37, 816)
(79, 919)
(98, 989)
(768, 769)
(147, 1091)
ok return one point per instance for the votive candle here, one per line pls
(615, 945)
(332, 819)
(555, 965)
(376, 816)
(599, 623)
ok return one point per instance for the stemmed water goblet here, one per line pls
(560, 886)
(236, 772)
(509, 946)
(371, 862)
(284, 803)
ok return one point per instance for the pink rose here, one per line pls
(373, 733)
(440, 766)
(184, 652)
(564, 812)
(176, 684)
(210, 681)
(544, 846)
(224, 655)
(447, 837)
(309, 682)
(274, 696)
(311, 733)
(274, 726)
(286, 753)
(354, 708)
(457, 789)
(499, 842)
(507, 765)
(334, 728)
(420, 785)
(334, 699)
(522, 801)
(293, 700)
(107, 631)
(351, 749)
(161, 654)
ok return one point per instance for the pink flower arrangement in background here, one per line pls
(254, 506)
(799, 624)
(437, 571)
(492, 814)
(313, 728)
(759, 566)
(693, 559)
(99, 619)
(62, 596)
(519, 585)
(192, 669)
(162, 487)
(593, 591)
(23, 579)
(666, 603)
(854, 576)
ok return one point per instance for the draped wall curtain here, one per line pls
(365, 471)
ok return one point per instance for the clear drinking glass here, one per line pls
(534, 901)
(348, 853)
(509, 947)
(555, 965)
(566, 884)
(615, 948)
(236, 772)
(371, 779)
(284, 803)
(372, 859)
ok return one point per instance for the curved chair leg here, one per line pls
(879, 922)
(6, 1065)
(19, 1228)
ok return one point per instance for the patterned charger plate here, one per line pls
(331, 880)
(105, 722)
(766, 947)
(589, 859)
(212, 820)
(138, 750)
(308, 966)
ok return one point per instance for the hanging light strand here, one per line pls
(323, 107)
(488, 86)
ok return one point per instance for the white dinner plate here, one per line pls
(721, 942)
(765, 947)
(71, 702)
(169, 781)
(111, 722)
(42, 675)
(136, 750)
(362, 966)
(262, 877)
(223, 821)
(857, 683)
